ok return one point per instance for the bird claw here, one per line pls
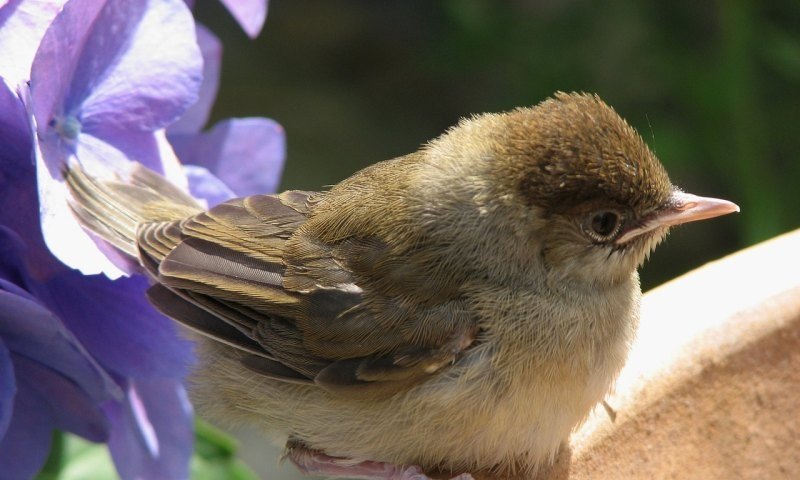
(313, 462)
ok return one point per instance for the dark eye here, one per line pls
(603, 225)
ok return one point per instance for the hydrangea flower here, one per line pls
(83, 353)
(236, 157)
(127, 69)
(83, 110)
(47, 378)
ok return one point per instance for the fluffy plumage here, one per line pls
(460, 308)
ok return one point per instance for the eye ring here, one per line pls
(603, 226)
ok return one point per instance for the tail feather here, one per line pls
(114, 208)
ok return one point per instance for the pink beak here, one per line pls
(681, 208)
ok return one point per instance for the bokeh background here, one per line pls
(713, 87)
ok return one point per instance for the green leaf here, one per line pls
(215, 455)
(83, 459)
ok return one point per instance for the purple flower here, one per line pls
(246, 154)
(250, 14)
(106, 79)
(237, 157)
(125, 70)
(84, 353)
(47, 378)
(22, 25)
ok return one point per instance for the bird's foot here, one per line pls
(314, 462)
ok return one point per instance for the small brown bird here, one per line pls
(458, 309)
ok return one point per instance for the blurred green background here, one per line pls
(712, 87)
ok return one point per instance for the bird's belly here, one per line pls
(459, 424)
(470, 418)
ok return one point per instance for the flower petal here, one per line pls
(13, 272)
(250, 14)
(58, 54)
(23, 25)
(151, 76)
(204, 184)
(30, 330)
(63, 235)
(71, 409)
(152, 433)
(247, 154)
(119, 327)
(196, 116)
(133, 65)
(18, 197)
(105, 150)
(15, 133)
(8, 389)
(24, 448)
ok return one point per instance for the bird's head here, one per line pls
(593, 199)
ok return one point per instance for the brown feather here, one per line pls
(447, 308)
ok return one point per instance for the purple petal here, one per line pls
(14, 276)
(71, 409)
(63, 235)
(158, 75)
(152, 433)
(19, 205)
(249, 13)
(55, 61)
(8, 389)
(118, 326)
(26, 443)
(126, 65)
(22, 25)
(203, 184)
(15, 134)
(247, 153)
(19, 208)
(29, 329)
(108, 147)
(195, 118)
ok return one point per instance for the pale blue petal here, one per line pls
(150, 78)
(196, 116)
(205, 185)
(62, 234)
(250, 14)
(22, 25)
(247, 154)
(127, 65)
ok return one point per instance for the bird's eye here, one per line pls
(603, 226)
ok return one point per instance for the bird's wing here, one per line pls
(299, 308)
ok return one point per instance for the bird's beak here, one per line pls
(681, 208)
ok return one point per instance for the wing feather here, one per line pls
(248, 274)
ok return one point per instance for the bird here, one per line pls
(460, 309)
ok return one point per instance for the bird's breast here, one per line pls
(545, 361)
